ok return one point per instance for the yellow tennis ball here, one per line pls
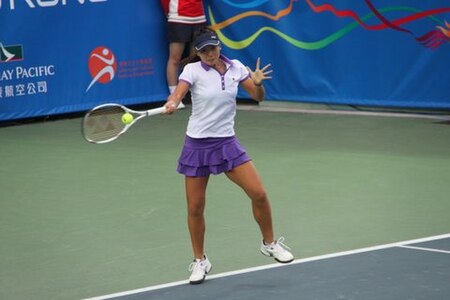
(127, 118)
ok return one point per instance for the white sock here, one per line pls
(269, 244)
(172, 88)
(201, 259)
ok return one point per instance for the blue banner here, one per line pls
(377, 53)
(63, 56)
(60, 56)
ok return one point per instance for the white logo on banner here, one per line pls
(5, 52)
(22, 81)
(45, 3)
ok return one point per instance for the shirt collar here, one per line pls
(222, 57)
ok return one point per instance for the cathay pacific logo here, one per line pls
(10, 53)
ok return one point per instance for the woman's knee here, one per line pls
(196, 208)
(259, 196)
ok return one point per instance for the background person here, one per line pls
(184, 18)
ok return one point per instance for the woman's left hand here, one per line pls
(260, 74)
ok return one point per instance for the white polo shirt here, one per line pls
(213, 97)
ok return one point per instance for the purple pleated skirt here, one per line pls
(202, 157)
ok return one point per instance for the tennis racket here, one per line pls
(104, 124)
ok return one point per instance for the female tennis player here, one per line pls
(211, 146)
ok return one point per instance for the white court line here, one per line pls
(425, 249)
(277, 265)
(342, 112)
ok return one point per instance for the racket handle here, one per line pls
(156, 111)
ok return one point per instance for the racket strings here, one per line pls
(104, 123)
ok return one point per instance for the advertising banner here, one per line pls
(368, 52)
(61, 56)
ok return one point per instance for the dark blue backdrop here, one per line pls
(53, 53)
(328, 57)
(63, 36)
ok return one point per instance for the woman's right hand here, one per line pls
(170, 106)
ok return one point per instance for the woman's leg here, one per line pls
(246, 176)
(195, 195)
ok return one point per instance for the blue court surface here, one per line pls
(415, 269)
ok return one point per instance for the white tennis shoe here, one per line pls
(277, 250)
(181, 105)
(199, 269)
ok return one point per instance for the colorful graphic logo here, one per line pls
(102, 66)
(11, 53)
(431, 39)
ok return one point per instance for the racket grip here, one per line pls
(156, 111)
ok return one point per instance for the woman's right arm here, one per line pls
(175, 98)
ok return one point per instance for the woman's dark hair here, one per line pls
(194, 57)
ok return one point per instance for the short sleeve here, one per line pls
(188, 74)
(244, 74)
(165, 6)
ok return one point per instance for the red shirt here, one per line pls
(184, 11)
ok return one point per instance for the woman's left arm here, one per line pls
(254, 84)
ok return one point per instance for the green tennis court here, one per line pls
(79, 220)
